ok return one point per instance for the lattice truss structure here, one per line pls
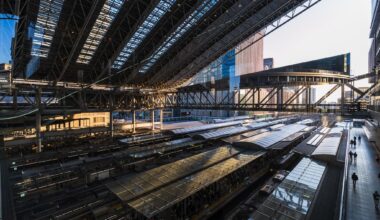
(142, 43)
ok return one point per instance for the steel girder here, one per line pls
(354, 89)
(159, 37)
(331, 91)
(108, 54)
(76, 27)
(8, 7)
(375, 87)
(255, 23)
(362, 76)
(71, 98)
(219, 28)
(77, 18)
(19, 50)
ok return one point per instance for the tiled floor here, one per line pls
(360, 204)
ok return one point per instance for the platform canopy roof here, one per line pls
(267, 139)
(165, 197)
(131, 186)
(327, 150)
(293, 198)
(142, 43)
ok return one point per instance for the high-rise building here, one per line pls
(313, 96)
(268, 63)
(246, 58)
(249, 55)
(374, 53)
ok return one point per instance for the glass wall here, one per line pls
(222, 68)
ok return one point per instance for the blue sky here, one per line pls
(6, 34)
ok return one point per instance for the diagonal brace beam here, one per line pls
(331, 91)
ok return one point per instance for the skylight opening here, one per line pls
(107, 14)
(44, 28)
(193, 19)
(143, 30)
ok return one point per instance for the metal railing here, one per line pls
(343, 196)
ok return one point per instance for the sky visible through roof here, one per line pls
(6, 34)
(330, 28)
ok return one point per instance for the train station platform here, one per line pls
(360, 203)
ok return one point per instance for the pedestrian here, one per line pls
(354, 178)
(355, 156)
(351, 143)
(354, 143)
(354, 138)
(360, 138)
(376, 198)
(350, 153)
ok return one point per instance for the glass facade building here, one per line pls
(222, 68)
(339, 64)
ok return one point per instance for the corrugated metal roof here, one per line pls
(329, 146)
(165, 197)
(267, 139)
(225, 132)
(219, 120)
(306, 122)
(204, 127)
(131, 186)
(164, 147)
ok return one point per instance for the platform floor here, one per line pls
(360, 204)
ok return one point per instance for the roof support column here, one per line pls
(152, 118)
(38, 120)
(342, 99)
(133, 121)
(280, 96)
(307, 100)
(14, 103)
(161, 119)
(112, 106)
(258, 97)
(111, 123)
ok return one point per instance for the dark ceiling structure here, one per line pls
(142, 43)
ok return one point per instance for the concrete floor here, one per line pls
(360, 204)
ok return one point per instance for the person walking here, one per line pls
(355, 156)
(354, 178)
(360, 139)
(355, 143)
(350, 153)
(376, 198)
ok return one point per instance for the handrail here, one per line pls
(342, 207)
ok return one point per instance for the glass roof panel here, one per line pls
(293, 197)
(137, 184)
(107, 14)
(192, 20)
(173, 193)
(145, 28)
(44, 28)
